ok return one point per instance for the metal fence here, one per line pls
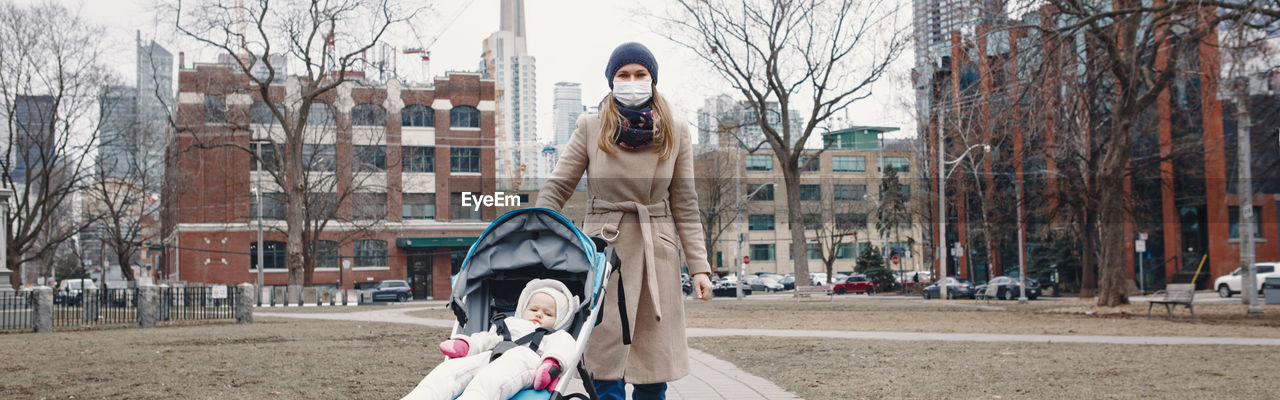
(197, 303)
(95, 308)
(15, 311)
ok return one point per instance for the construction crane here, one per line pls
(424, 48)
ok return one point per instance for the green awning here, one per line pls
(426, 242)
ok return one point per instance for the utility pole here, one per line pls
(942, 206)
(1244, 173)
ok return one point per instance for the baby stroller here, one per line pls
(522, 245)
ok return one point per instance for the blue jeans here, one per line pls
(616, 390)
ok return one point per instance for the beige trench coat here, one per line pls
(624, 189)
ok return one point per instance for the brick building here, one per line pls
(399, 159)
(1181, 178)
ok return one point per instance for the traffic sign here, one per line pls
(1140, 246)
(895, 260)
(746, 259)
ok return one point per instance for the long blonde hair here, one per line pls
(610, 117)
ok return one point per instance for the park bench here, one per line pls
(1175, 294)
(988, 293)
(807, 291)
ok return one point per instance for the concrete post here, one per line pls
(147, 295)
(277, 296)
(42, 307)
(310, 296)
(295, 295)
(89, 305)
(244, 303)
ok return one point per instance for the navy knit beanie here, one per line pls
(628, 53)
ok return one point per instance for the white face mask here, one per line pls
(634, 93)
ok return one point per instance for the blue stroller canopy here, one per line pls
(519, 246)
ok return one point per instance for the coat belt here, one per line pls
(644, 213)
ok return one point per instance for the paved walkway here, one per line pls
(712, 378)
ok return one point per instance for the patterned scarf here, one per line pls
(636, 128)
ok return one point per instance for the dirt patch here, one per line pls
(818, 369)
(1061, 317)
(272, 358)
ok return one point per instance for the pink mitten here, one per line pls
(454, 348)
(547, 375)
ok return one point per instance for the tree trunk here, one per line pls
(1112, 290)
(294, 211)
(1088, 261)
(795, 222)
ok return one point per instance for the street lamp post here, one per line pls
(4, 236)
(257, 192)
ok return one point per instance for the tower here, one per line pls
(507, 61)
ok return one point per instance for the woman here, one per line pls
(639, 163)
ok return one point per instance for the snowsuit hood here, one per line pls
(566, 302)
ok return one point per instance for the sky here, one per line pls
(570, 39)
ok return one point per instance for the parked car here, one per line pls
(729, 289)
(772, 285)
(957, 288)
(788, 282)
(388, 290)
(817, 278)
(1010, 288)
(1230, 284)
(71, 291)
(686, 284)
(756, 283)
(854, 284)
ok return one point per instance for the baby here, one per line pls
(544, 303)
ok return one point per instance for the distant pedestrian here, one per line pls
(915, 278)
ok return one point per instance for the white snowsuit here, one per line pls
(476, 378)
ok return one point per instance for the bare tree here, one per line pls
(1128, 35)
(833, 224)
(49, 83)
(819, 56)
(328, 40)
(716, 194)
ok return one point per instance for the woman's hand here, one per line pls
(702, 286)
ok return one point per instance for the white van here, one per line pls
(70, 290)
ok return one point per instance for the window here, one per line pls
(846, 251)
(457, 211)
(464, 159)
(321, 205)
(215, 108)
(848, 222)
(760, 222)
(418, 158)
(272, 206)
(464, 117)
(368, 114)
(850, 192)
(320, 114)
(812, 251)
(905, 192)
(759, 162)
(762, 252)
(810, 193)
(273, 255)
(899, 164)
(371, 253)
(764, 194)
(1234, 211)
(419, 206)
(418, 115)
(898, 249)
(370, 158)
(266, 156)
(318, 157)
(369, 205)
(260, 113)
(810, 163)
(848, 163)
(326, 253)
(812, 221)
